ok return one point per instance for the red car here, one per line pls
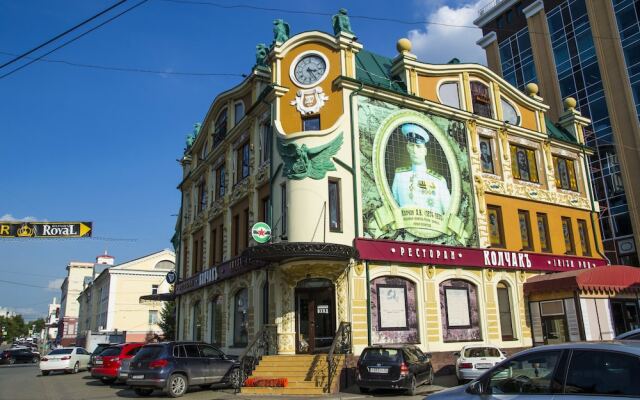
(107, 365)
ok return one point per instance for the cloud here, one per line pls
(55, 284)
(11, 218)
(440, 43)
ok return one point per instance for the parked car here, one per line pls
(19, 355)
(631, 335)
(393, 367)
(96, 352)
(107, 365)
(475, 359)
(67, 359)
(566, 371)
(174, 366)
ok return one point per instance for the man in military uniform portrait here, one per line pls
(417, 186)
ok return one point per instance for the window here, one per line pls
(480, 99)
(565, 173)
(603, 373)
(335, 219)
(504, 308)
(266, 133)
(583, 232)
(191, 350)
(543, 231)
(525, 230)
(238, 112)
(242, 162)
(528, 374)
(154, 289)
(196, 321)
(265, 210)
(215, 320)
(496, 231)
(523, 164)
(236, 234)
(486, 155)
(394, 317)
(220, 127)
(459, 311)
(202, 195)
(567, 232)
(198, 251)
(449, 94)
(311, 123)
(220, 182)
(509, 113)
(265, 303)
(204, 150)
(209, 351)
(245, 229)
(240, 320)
(153, 317)
(283, 208)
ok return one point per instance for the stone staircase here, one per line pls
(306, 374)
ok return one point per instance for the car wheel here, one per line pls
(234, 379)
(413, 389)
(76, 368)
(45, 373)
(12, 361)
(176, 385)
(143, 392)
(107, 381)
(35, 359)
(363, 389)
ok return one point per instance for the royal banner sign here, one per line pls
(415, 253)
(45, 229)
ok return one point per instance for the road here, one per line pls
(24, 382)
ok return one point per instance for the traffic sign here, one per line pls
(45, 229)
(261, 232)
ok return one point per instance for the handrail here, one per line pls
(341, 345)
(264, 343)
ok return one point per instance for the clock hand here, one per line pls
(309, 70)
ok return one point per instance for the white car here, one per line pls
(67, 359)
(474, 360)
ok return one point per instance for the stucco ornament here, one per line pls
(303, 162)
(193, 135)
(281, 31)
(341, 22)
(309, 101)
(261, 54)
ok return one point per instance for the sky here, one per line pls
(80, 141)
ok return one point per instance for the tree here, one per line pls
(38, 325)
(168, 320)
(14, 327)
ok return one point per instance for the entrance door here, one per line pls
(315, 316)
(555, 330)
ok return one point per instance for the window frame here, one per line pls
(527, 215)
(572, 184)
(489, 141)
(507, 288)
(474, 94)
(570, 238)
(545, 218)
(236, 121)
(531, 155)
(310, 118)
(586, 244)
(498, 210)
(220, 126)
(338, 206)
(220, 181)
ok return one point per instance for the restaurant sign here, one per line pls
(414, 253)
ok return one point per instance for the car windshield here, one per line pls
(60, 351)
(149, 353)
(382, 355)
(111, 351)
(481, 352)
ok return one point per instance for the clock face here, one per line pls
(310, 69)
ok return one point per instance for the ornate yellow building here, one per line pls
(408, 203)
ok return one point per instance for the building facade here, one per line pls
(408, 200)
(71, 287)
(110, 302)
(588, 50)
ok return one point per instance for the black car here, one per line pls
(174, 366)
(96, 352)
(393, 367)
(19, 355)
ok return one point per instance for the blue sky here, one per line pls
(87, 144)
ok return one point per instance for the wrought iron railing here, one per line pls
(264, 343)
(341, 345)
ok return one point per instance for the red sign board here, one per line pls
(414, 253)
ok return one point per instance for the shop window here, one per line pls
(601, 374)
(480, 99)
(459, 311)
(240, 318)
(509, 113)
(311, 123)
(196, 318)
(394, 311)
(220, 127)
(525, 230)
(496, 230)
(335, 218)
(220, 182)
(583, 233)
(523, 164)
(238, 112)
(449, 94)
(565, 173)
(215, 321)
(567, 232)
(486, 155)
(543, 231)
(504, 308)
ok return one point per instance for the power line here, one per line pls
(62, 34)
(74, 39)
(23, 284)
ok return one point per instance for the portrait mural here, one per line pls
(486, 155)
(393, 311)
(415, 176)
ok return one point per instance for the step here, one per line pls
(293, 368)
(298, 375)
(282, 391)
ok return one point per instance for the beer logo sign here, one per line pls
(261, 232)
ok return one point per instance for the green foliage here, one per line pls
(168, 320)
(15, 327)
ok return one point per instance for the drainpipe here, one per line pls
(593, 211)
(366, 263)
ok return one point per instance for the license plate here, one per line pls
(98, 362)
(137, 376)
(379, 370)
(124, 375)
(483, 365)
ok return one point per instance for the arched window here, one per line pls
(509, 112)
(394, 314)
(197, 322)
(449, 94)
(240, 319)
(220, 127)
(481, 99)
(459, 311)
(215, 320)
(504, 310)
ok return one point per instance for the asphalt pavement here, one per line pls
(25, 382)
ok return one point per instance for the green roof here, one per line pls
(557, 132)
(373, 69)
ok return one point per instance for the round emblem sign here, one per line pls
(261, 232)
(171, 277)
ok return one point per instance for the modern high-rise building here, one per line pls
(588, 50)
